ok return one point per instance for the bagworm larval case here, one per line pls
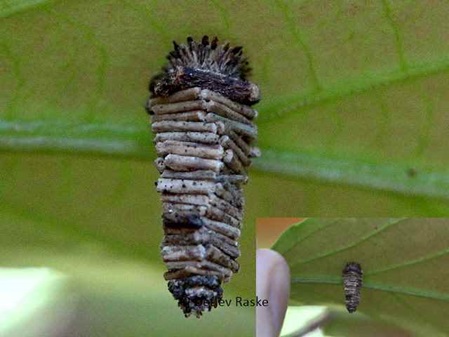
(352, 281)
(201, 116)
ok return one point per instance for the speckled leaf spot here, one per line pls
(352, 281)
(201, 115)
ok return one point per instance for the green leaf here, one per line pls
(353, 115)
(403, 261)
(354, 95)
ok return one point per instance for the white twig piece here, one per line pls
(198, 137)
(189, 149)
(177, 107)
(180, 96)
(229, 144)
(169, 126)
(245, 110)
(185, 163)
(231, 125)
(191, 116)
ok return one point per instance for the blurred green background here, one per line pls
(353, 122)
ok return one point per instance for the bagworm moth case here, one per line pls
(352, 281)
(201, 115)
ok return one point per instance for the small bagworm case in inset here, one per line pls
(352, 281)
(201, 116)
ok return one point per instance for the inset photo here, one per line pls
(352, 277)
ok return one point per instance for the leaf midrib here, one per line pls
(285, 105)
(126, 140)
(324, 280)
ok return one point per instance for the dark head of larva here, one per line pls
(208, 65)
(353, 267)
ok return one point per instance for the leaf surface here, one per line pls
(354, 95)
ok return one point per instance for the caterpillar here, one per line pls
(201, 115)
(352, 281)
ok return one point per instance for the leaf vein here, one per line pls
(288, 104)
(409, 263)
(397, 35)
(369, 235)
(297, 35)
